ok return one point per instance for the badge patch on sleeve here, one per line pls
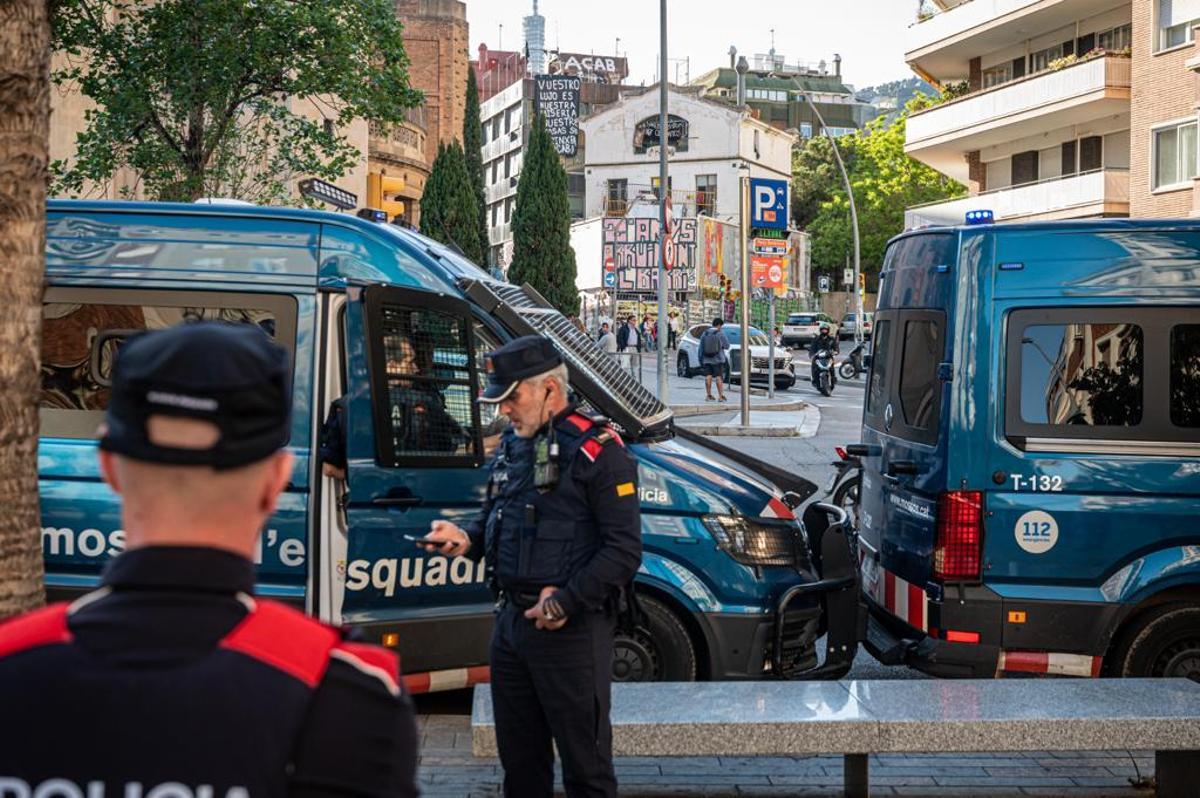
(626, 489)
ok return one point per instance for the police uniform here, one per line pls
(562, 510)
(173, 679)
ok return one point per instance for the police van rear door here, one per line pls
(906, 403)
(415, 453)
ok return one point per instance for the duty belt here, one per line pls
(519, 598)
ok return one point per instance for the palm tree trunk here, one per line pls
(24, 146)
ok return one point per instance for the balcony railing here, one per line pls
(1004, 103)
(1089, 193)
(933, 26)
(507, 187)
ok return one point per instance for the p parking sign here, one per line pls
(768, 203)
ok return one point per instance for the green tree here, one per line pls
(885, 182)
(473, 147)
(207, 97)
(541, 224)
(449, 212)
(24, 146)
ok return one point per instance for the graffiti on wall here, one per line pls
(629, 250)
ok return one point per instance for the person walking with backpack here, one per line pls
(713, 346)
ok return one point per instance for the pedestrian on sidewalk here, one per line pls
(552, 644)
(629, 341)
(173, 673)
(713, 347)
(673, 328)
(649, 333)
(608, 341)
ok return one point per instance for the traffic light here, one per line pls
(380, 188)
(862, 283)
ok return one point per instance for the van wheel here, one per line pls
(682, 366)
(659, 650)
(1164, 642)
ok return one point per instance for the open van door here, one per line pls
(415, 453)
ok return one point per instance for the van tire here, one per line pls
(659, 650)
(1164, 641)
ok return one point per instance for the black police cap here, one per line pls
(230, 375)
(519, 359)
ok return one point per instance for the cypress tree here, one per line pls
(448, 210)
(473, 148)
(541, 224)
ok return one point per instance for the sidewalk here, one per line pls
(448, 769)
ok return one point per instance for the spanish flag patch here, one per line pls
(625, 489)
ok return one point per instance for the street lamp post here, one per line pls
(664, 195)
(744, 351)
(858, 299)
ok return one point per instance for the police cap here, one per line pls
(229, 375)
(518, 360)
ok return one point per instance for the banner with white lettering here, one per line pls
(557, 101)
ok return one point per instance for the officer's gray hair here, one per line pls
(558, 373)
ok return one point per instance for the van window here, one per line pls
(877, 382)
(429, 392)
(82, 330)
(1185, 375)
(919, 384)
(1082, 374)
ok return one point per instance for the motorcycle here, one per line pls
(845, 484)
(823, 368)
(853, 365)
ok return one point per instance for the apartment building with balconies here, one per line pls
(1038, 124)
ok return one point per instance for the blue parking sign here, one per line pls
(768, 203)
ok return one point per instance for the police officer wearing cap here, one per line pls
(561, 529)
(172, 678)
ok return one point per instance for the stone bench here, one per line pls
(858, 718)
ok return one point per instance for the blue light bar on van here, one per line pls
(980, 217)
(372, 215)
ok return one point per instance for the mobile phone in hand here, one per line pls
(423, 541)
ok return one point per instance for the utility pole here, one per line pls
(744, 354)
(664, 200)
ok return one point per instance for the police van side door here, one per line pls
(414, 454)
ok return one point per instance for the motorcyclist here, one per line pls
(824, 340)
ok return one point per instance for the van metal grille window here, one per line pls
(1185, 375)
(601, 380)
(429, 391)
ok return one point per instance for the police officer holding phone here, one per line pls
(561, 529)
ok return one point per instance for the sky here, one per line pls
(869, 34)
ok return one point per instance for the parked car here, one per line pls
(849, 322)
(802, 328)
(688, 360)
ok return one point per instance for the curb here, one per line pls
(809, 423)
(709, 408)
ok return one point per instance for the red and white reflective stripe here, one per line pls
(899, 597)
(456, 679)
(1051, 662)
(777, 509)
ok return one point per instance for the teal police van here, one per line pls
(732, 585)
(1031, 451)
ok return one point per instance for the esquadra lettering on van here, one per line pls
(411, 572)
(64, 788)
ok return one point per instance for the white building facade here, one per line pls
(1040, 124)
(503, 121)
(710, 142)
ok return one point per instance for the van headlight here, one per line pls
(752, 542)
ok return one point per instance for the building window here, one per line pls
(1040, 60)
(1119, 38)
(616, 199)
(997, 75)
(706, 194)
(508, 206)
(508, 120)
(655, 183)
(1069, 149)
(1025, 168)
(495, 170)
(1175, 21)
(806, 130)
(1174, 154)
(496, 128)
(508, 159)
(495, 214)
(1091, 154)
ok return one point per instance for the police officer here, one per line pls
(562, 528)
(172, 678)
